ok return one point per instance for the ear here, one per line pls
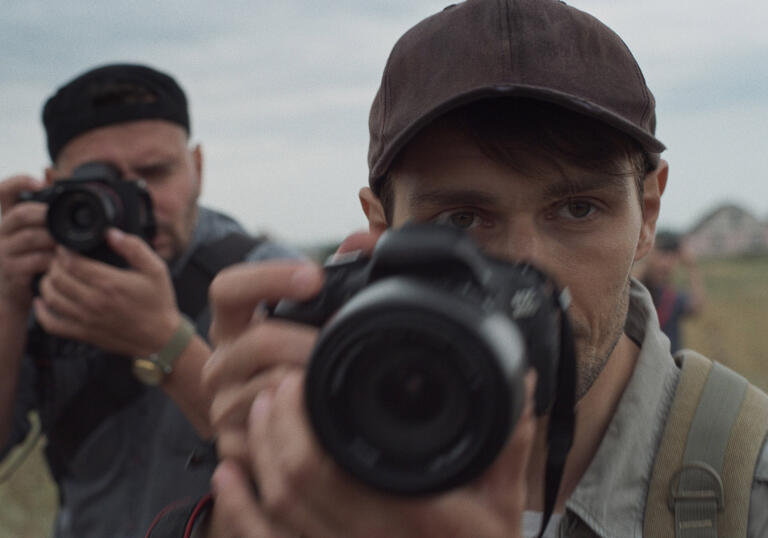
(197, 162)
(50, 175)
(653, 187)
(374, 211)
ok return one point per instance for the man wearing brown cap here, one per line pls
(527, 124)
(109, 346)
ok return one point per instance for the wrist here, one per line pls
(16, 303)
(154, 368)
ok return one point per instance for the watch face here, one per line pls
(147, 371)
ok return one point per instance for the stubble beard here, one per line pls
(180, 238)
(592, 358)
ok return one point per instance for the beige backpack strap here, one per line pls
(702, 476)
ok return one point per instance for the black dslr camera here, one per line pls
(417, 377)
(96, 197)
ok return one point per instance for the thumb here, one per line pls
(236, 507)
(135, 250)
(13, 186)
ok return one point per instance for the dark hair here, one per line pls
(527, 135)
(667, 240)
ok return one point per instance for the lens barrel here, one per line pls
(413, 390)
(79, 217)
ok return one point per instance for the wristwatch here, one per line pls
(153, 370)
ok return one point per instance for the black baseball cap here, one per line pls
(482, 49)
(111, 94)
(667, 240)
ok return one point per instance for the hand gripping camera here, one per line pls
(416, 380)
(83, 207)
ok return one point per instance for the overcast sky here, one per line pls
(280, 92)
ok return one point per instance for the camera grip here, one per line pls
(306, 312)
(342, 280)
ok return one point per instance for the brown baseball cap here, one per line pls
(481, 49)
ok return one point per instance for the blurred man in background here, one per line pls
(659, 272)
(113, 358)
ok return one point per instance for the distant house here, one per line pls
(728, 230)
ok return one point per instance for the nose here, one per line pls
(522, 240)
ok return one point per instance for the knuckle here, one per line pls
(99, 302)
(263, 342)
(218, 286)
(210, 377)
(230, 444)
(221, 409)
(277, 498)
(97, 306)
(109, 292)
(46, 288)
(40, 262)
(54, 277)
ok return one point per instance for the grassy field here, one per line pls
(733, 327)
(28, 500)
(731, 330)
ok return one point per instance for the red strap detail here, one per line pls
(665, 305)
(204, 502)
(162, 513)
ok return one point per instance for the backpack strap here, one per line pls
(703, 472)
(191, 285)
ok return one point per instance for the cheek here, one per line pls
(596, 273)
(167, 202)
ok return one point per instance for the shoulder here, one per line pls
(761, 472)
(267, 249)
(214, 226)
(758, 515)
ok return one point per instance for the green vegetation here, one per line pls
(732, 329)
(28, 500)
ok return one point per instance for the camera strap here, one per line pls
(562, 419)
(191, 285)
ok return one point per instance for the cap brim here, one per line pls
(576, 104)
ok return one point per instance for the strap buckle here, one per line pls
(696, 482)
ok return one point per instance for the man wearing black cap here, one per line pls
(528, 124)
(113, 360)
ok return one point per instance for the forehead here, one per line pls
(443, 156)
(128, 144)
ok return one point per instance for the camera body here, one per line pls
(417, 377)
(95, 198)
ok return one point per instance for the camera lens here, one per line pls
(82, 217)
(410, 393)
(405, 394)
(79, 217)
(413, 390)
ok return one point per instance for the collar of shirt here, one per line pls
(210, 225)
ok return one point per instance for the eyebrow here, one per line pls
(451, 197)
(157, 166)
(575, 185)
(565, 187)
